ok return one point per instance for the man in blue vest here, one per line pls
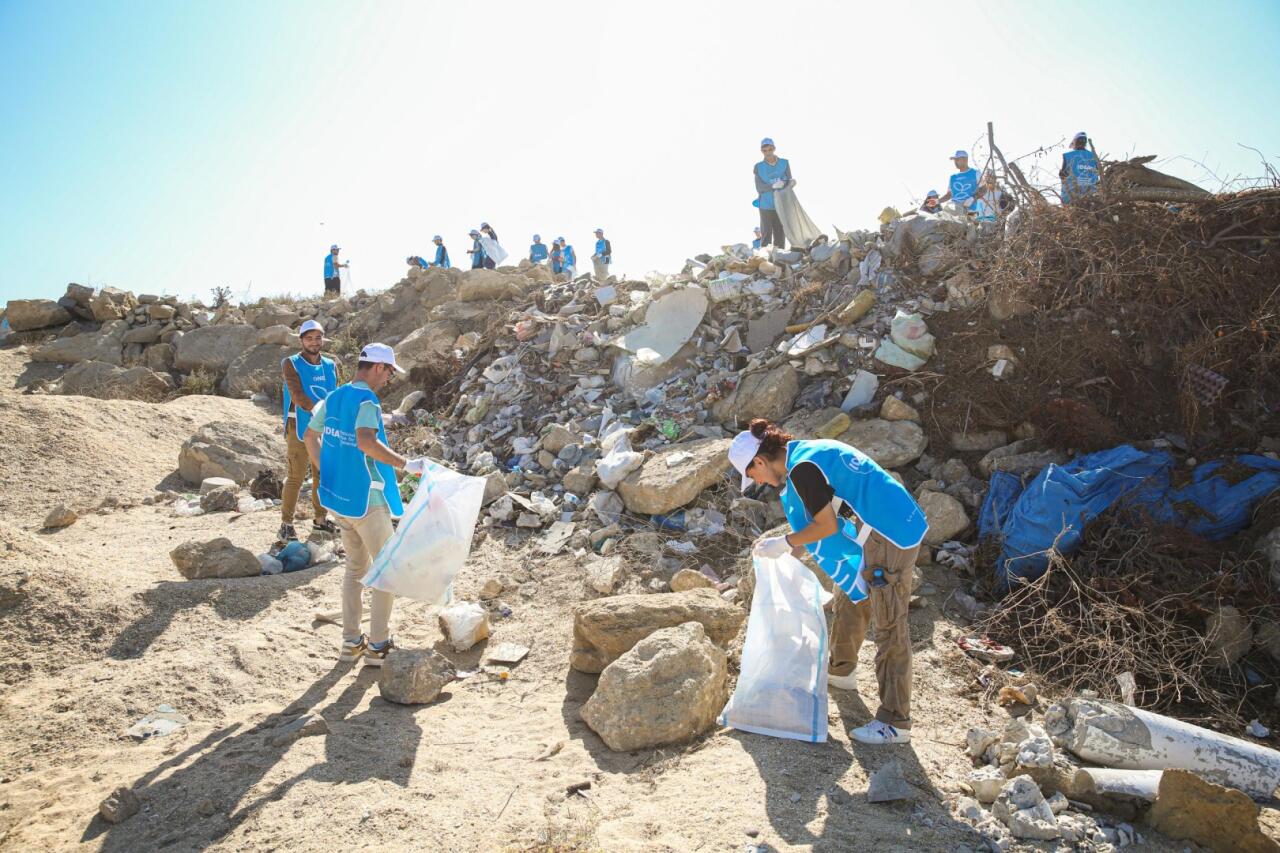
(332, 281)
(347, 442)
(1079, 170)
(557, 258)
(476, 251)
(964, 189)
(755, 244)
(771, 173)
(864, 530)
(602, 257)
(308, 379)
(538, 250)
(442, 254)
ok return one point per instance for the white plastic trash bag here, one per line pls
(493, 250)
(619, 459)
(423, 556)
(782, 690)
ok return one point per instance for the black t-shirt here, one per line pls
(813, 489)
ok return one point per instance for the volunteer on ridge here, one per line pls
(348, 446)
(864, 530)
(308, 379)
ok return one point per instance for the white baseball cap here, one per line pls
(742, 450)
(310, 326)
(380, 354)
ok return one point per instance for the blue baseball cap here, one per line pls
(766, 141)
(474, 233)
(599, 230)
(437, 239)
(960, 154)
(559, 239)
(333, 248)
(1080, 135)
(756, 229)
(931, 194)
(537, 237)
(484, 224)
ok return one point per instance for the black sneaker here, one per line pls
(325, 526)
(286, 533)
(375, 655)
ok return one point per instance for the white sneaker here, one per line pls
(843, 682)
(877, 733)
(353, 650)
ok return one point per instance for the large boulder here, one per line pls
(606, 628)
(768, 394)
(111, 303)
(667, 688)
(233, 449)
(104, 345)
(147, 334)
(1189, 807)
(256, 369)
(890, 444)
(213, 348)
(272, 314)
(488, 285)
(280, 335)
(27, 314)
(428, 344)
(946, 517)
(414, 676)
(676, 475)
(158, 357)
(217, 558)
(109, 382)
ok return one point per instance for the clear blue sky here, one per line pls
(174, 146)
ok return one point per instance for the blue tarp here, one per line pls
(1054, 508)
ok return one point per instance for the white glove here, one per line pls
(772, 547)
(777, 185)
(416, 466)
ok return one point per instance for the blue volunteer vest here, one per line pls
(769, 174)
(537, 252)
(570, 259)
(318, 380)
(963, 186)
(344, 473)
(442, 257)
(1082, 173)
(880, 502)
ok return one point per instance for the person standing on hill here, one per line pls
(964, 189)
(487, 230)
(602, 257)
(442, 254)
(537, 250)
(570, 259)
(771, 173)
(755, 244)
(332, 280)
(557, 257)
(1079, 170)
(347, 444)
(476, 251)
(864, 530)
(308, 379)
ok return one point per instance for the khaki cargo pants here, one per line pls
(886, 613)
(363, 538)
(299, 465)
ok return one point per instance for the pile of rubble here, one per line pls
(1054, 780)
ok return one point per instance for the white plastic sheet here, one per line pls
(782, 691)
(431, 544)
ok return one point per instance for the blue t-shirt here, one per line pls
(964, 185)
(766, 175)
(369, 416)
(330, 271)
(537, 252)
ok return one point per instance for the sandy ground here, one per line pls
(108, 630)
